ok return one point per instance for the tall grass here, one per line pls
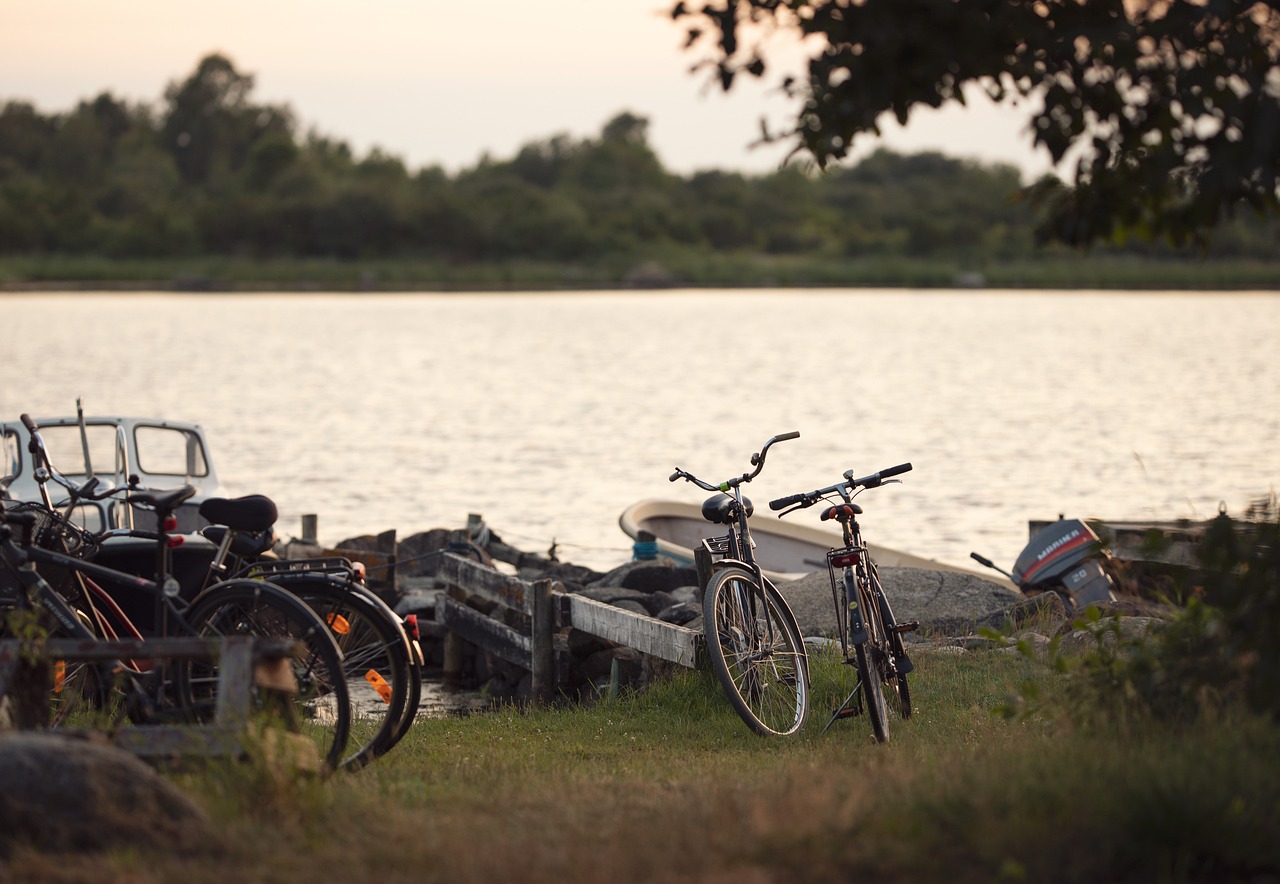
(669, 785)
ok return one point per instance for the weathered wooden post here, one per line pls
(543, 637)
(310, 528)
(386, 542)
(26, 678)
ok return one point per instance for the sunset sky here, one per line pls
(440, 83)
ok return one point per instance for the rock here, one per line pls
(659, 579)
(62, 794)
(618, 575)
(681, 613)
(929, 597)
(419, 554)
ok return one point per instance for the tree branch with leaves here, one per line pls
(1168, 110)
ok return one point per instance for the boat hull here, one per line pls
(784, 550)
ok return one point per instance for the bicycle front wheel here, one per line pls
(321, 706)
(757, 653)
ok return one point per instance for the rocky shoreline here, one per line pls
(952, 607)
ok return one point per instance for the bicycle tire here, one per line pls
(868, 671)
(894, 677)
(767, 684)
(375, 659)
(321, 708)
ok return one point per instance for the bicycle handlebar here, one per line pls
(757, 461)
(809, 498)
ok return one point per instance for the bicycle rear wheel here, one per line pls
(895, 674)
(321, 708)
(375, 659)
(757, 653)
(869, 670)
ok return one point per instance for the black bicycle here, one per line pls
(864, 617)
(753, 640)
(382, 660)
(45, 569)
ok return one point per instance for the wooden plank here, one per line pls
(487, 633)
(485, 582)
(648, 635)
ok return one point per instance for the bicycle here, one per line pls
(753, 640)
(382, 658)
(81, 607)
(382, 670)
(864, 617)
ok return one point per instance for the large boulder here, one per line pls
(61, 793)
(936, 599)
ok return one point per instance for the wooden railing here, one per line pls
(244, 662)
(527, 620)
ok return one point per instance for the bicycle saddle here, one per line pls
(841, 512)
(253, 512)
(723, 509)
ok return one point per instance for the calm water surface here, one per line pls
(550, 413)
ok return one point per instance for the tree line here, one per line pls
(209, 171)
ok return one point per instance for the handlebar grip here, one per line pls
(674, 476)
(794, 434)
(28, 423)
(895, 471)
(784, 502)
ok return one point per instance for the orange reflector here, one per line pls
(379, 684)
(339, 624)
(59, 675)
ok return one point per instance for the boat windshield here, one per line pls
(159, 451)
(169, 451)
(67, 453)
(10, 455)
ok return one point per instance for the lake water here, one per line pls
(549, 413)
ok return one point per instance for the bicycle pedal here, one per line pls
(908, 626)
(847, 712)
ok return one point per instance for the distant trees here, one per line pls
(210, 171)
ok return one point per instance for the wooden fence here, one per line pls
(526, 623)
(244, 662)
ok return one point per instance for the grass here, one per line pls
(669, 785)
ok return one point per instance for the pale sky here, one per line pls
(443, 83)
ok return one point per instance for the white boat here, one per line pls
(785, 550)
(156, 453)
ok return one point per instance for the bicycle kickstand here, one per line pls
(846, 710)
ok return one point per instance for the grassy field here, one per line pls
(669, 785)
(671, 269)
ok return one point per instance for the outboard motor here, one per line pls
(1065, 557)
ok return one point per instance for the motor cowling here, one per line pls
(1066, 555)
